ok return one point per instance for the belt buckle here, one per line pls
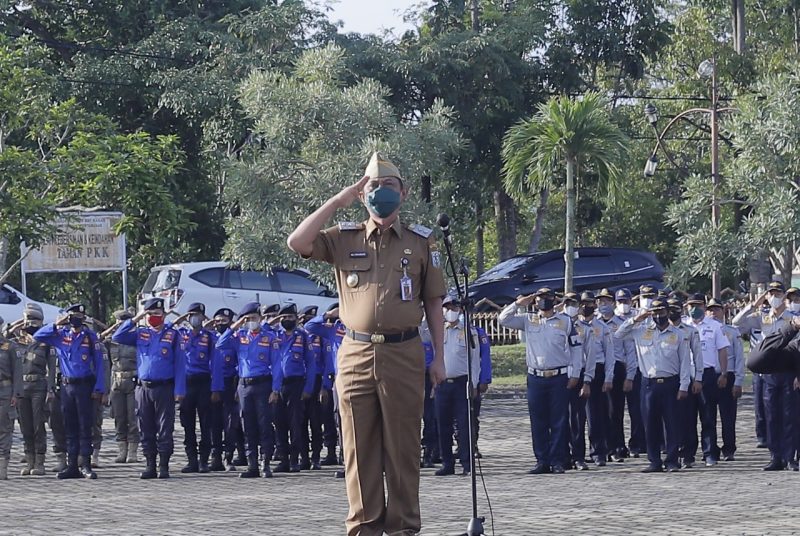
(548, 373)
(377, 338)
(659, 380)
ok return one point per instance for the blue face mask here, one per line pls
(383, 201)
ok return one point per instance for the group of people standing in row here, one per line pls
(674, 361)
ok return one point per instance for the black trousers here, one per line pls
(196, 406)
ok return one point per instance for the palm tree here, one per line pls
(576, 132)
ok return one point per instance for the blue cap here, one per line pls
(196, 307)
(311, 310)
(623, 294)
(290, 309)
(76, 308)
(249, 308)
(153, 303)
(697, 299)
(227, 313)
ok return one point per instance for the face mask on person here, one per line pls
(31, 329)
(587, 310)
(623, 308)
(696, 313)
(775, 301)
(794, 307)
(645, 303)
(75, 321)
(675, 315)
(451, 315)
(605, 309)
(545, 304)
(383, 201)
(661, 320)
(155, 320)
(571, 310)
(253, 325)
(289, 325)
(196, 321)
(221, 328)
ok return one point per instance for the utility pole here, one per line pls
(739, 28)
(475, 9)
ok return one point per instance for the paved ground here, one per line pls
(733, 498)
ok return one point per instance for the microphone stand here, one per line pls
(475, 526)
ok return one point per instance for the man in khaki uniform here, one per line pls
(384, 272)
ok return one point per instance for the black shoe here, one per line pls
(86, 471)
(330, 459)
(339, 473)
(653, 469)
(635, 453)
(163, 467)
(266, 472)
(774, 465)
(294, 468)
(251, 472)
(557, 469)
(729, 458)
(240, 461)
(539, 469)
(282, 467)
(793, 467)
(305, 465)
(216, 463)
(149, 471)
(673, 468)
(71, 471)
(616, 458)
(465, 472)
(203, 468)
(315, 466)
(601, 462)
(580, 465)
(688, 465)
(762, 444)
(190, 468)
(445, 470)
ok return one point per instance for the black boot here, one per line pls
(149, 471)
(427, 460)
(266, 472)
(283, 466)
(240, 460)
(163, 466)
(216, 462)
(315, 465)
(71, 470)
(203, 466)
(192, 466)
(775, 464)
(86, 469)
(252, 468)
(305, 464)
(331, 458)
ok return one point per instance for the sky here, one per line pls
(371, 16)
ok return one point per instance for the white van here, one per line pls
(12, 304)
(217, 285)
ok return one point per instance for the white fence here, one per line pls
(497, 334)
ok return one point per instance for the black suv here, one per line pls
(594, 269)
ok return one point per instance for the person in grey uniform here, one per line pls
(729, 397)
(38, 361)
(664, 363)
(554, 357)
(10, 389)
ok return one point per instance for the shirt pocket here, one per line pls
(165, 350)
(356, 275)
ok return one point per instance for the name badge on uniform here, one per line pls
(406, 290)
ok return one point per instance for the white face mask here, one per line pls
(794, 307)
(775, 301)
(450, 315)
(253, 325)
(571, 310)
(645, 303)
(623, 308)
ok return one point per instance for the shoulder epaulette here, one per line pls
(420, 230)
(350, 226)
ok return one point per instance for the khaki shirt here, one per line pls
(369, 265)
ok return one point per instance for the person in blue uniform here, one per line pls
(161, 369)
(299, 373)
(269, 314)
(225, 419)
(197, 345)
(430, 428)
(312, 418)
(332, 331)
(83, 377)
(484, 380)
(260, 380)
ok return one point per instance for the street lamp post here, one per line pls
(707, 69)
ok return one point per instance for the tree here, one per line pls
(577, 133)
(312, 136)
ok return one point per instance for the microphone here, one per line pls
(443, 221)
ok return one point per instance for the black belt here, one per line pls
(78, 380)
(661, 380)
(457, 379)
(202, 377)
(156, 383)
(383, 338)
(255, 380)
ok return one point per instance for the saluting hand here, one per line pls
(524, 301)
(349, 195)
(641, 316)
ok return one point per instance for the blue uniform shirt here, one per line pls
(332, 336)
(428, 347)
(296, 356)
(224, 364)
(79, 355)
(196, 349)
(158, 353)
(258, 353)
(485, 376)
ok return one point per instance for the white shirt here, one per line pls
(712, 340)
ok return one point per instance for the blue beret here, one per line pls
(333, 306)
(270, 309)
(75, 308)
(623, 294)
(290, 309)
(311, 310)
(196, 307)
(153, 303)
(249, 308)
(228, 313)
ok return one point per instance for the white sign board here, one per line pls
(85, 242)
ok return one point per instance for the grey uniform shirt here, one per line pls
(624, 350)
(735, 354)
(759, 324)
(550, 343)
(695, 350)
(598, 348)
(661, 353)
(455, 353)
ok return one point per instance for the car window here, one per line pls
(292, 283)
(8, 296)
(165, 279)
(255, 281)
(211, 277)
(592, 266)
(233, 279)
(506, 268)
(552, 269)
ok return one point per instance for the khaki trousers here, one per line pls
(381, 389)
